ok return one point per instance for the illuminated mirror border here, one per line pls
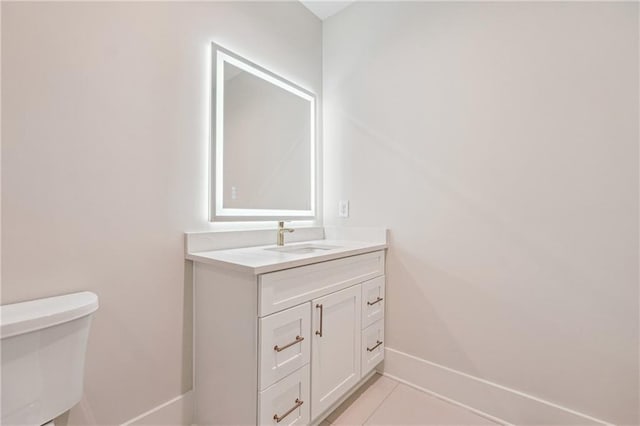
(217, 212)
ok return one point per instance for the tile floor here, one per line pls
(383, 401)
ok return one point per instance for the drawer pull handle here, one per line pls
(378, 343)
(278, 418)
(319, 332)
(280, 349)
(378, 300)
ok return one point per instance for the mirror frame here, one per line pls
(217, 212)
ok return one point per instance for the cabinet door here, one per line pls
(335, 363)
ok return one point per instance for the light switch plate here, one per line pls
(343, 208)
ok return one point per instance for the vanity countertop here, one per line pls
(260, 259)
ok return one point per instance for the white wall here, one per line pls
(499, 143)
(104, 167)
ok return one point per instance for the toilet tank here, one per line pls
(42, 349)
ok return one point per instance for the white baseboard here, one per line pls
(491, 400)
(175, 412)
(496, 402)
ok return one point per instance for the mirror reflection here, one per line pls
(264, 143)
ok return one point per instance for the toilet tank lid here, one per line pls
(24, 317)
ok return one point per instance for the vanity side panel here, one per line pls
(225, 348)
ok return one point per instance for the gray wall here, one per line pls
(104, 166)
(499, 143)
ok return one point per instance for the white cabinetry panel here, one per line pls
(372, 346)
(335, 363)
(286, 402)
(284, 343)
(372, 301)
(283, 289)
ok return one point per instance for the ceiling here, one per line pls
(325, 8)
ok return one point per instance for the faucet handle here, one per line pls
(282, 228)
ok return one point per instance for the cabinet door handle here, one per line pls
(280, 349)
(378, 300)
(378, 343)
(278, 418)
(319, 333)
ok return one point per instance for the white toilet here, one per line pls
(43, 350)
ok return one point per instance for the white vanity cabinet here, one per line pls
(287, 346)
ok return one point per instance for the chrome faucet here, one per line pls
(281, 231)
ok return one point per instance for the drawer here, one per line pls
(287, 400)
(372, 301)
(290, 287)
(372, 346)
(285, 343)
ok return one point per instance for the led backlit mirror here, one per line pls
(263, 143)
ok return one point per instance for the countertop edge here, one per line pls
(287, 264)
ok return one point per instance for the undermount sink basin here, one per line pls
(303, 248)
